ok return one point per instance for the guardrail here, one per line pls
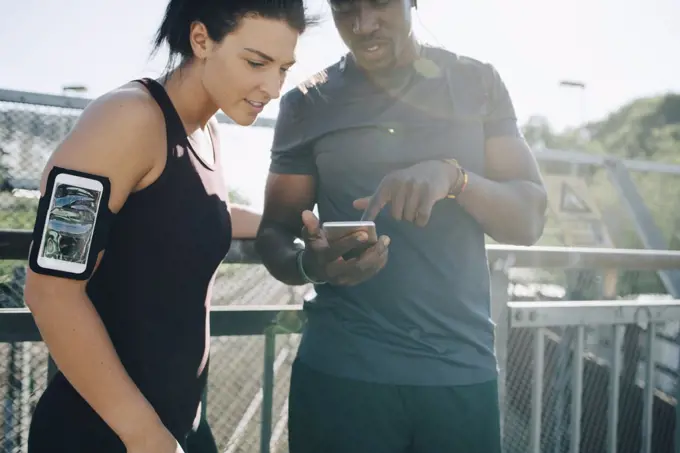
(14, 245)
(16, 325)
(579, 314)
(79, 103)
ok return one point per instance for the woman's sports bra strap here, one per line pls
(176, 134)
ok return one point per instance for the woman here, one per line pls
(131, 338)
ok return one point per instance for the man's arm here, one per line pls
(286, 197)
(289, 191)
(510, 200)
(290, 196)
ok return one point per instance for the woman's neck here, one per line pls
(186, 91)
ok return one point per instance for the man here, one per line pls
(398, 354)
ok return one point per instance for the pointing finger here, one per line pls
(376, 203)
(361, 203)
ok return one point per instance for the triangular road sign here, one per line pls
(571, 202)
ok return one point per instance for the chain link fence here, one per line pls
(27, 135)
(30, 132)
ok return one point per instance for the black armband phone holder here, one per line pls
(72, 224)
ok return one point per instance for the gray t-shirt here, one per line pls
(425, 318)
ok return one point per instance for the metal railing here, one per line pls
(579, 314)
(79, 103)
(16, 325)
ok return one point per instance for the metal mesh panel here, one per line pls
(235, 379)
(558, 362)
(23, 377)
(520, 366)
(235, 382)
(235, 393)
(28, 135)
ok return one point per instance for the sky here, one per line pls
(621, 49)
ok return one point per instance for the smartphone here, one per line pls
(70, 223)
(337, 230)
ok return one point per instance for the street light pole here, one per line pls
(80, 89)
(576, 84)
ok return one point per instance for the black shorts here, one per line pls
(335, 415)
(64, 423)
(201, 441)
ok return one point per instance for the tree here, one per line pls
(648, 129)
(237, 197)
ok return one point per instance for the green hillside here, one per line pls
(645, 129)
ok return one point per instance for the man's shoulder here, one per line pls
(314, 89)
(456, 61)
(464, 70)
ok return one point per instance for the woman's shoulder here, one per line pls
(128, 105)
(120, 134)
(123, 120)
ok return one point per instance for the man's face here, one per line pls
(377, 32)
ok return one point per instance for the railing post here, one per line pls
(581, 285)
(615, 389)
(267, 389)
(204, 405)
(560, 386)
(677, 418)
(630, 420)
(10, 438)
(499, 315)
(51, 368)
(648, 393)
(537, 390)
(577, 390)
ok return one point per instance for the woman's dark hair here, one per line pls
(220, 18)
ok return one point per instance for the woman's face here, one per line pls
(248, 67)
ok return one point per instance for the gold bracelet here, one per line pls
(459, 190)
(461, 180)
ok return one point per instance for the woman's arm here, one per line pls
(120, 136)
(245, 222)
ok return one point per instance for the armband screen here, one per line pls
(72, 224)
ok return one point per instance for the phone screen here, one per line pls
(70, 223)
(337, 230)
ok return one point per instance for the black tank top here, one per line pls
(153, 286)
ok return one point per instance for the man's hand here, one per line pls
(412, 192)
(322, 259)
